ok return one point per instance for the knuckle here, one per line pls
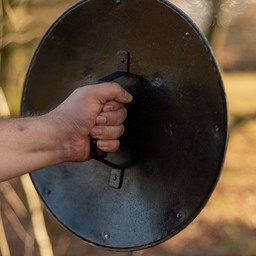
(117, 85)
(122, 129)
(115, 145)
(125, 113)
(77, 91)
(118, 117)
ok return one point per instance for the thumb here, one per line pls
(112, 92)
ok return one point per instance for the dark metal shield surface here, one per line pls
(175, 132)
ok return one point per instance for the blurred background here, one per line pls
(227, 225)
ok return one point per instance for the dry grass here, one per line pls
(241, 91)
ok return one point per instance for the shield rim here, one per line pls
(206, 44)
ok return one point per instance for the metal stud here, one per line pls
(106, 236)
(188, 35)
(179, 215)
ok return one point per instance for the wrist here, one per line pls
(58, 139)
(69, 144)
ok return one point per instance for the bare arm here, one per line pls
(64, 134)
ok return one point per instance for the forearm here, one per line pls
(27, 144)
(97, 111)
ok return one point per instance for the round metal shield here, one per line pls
(176, 129)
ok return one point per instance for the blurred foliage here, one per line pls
(22, 25)
(21, 219)
(17, 36)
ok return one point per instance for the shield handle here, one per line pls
(116, 176)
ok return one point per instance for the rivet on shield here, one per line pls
(180, 215)
(47, 191)
(216, 128)
(106, 236)
(116, 178)
(188, 35)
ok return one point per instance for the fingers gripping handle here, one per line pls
(95, 151)
(122, 69)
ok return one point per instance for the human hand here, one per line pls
(95, 111)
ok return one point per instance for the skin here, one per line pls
(63, 135)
